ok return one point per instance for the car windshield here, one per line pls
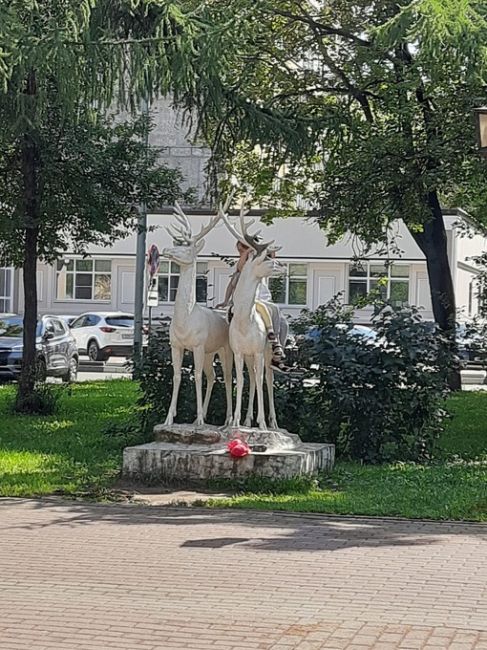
(13, 326)
(120, 321)
(366, 332)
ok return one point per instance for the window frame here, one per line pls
(7, 297)
(368, 278)
(93, 274)
(287, 281)
(170, 274)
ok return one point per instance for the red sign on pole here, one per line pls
(153, 260)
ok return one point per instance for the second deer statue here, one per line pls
(248, 335)
(195, 327)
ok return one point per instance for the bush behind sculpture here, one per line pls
(376, 400)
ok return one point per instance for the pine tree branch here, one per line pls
(328, 30)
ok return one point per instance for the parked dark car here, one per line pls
(57, 355)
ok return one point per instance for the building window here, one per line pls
(291, 288)
(169, 281)
(389, 281)
(5, 290)
(201, 282)
(86, 279)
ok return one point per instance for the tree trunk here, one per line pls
(29, 357)
(31, 191)
(433, 243)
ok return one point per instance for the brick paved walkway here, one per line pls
(83, 577)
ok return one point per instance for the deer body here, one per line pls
(248, 334)
(195, 327)
(248, 340)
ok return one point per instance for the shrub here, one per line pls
(43, 400)
(377, 400)
(474, 341)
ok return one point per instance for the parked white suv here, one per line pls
(104, 334)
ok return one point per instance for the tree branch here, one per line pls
(329, 30)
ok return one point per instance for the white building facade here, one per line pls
(316, 271)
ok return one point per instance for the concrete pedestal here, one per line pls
(170, 462)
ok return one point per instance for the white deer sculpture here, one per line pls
(248, 334)
(195, 327)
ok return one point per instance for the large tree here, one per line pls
(382, 93)
(65, 173)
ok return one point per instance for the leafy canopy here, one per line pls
(383, 93)
(94, 177)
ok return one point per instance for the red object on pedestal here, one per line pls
(238, 448)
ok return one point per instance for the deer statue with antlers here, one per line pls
(195, 327)
(248, 334)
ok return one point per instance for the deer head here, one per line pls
(262, 263)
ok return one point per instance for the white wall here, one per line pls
(301, 241)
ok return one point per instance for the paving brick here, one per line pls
(88, 576)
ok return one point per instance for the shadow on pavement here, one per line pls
(276, 531)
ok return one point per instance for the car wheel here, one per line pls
(41, 370)
(72, 373)
(94, 353)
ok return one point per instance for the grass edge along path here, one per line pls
(79, 451)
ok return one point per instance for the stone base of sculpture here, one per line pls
(185, 453)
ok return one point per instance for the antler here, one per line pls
(182, 218)
(183, 231)
(251, 240)
(244, 236)
(233, 231)
(206, 229)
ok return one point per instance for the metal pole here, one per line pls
(140, 266)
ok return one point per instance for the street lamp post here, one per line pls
(481, 123)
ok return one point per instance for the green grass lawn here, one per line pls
(72, 453)
(454, 487)
(67, 453)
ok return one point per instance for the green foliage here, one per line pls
(92, 178)
(262, 485)
(43, 400)
(378, 400)
(79, 452)
(100, 51)
(435, 491)
(481, 283)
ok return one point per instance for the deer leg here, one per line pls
(226, 357)
(199, 361)
(177, 362)
(259, 380)
(210, 380)
(239, 361)
(269, 380)
(250, 410)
